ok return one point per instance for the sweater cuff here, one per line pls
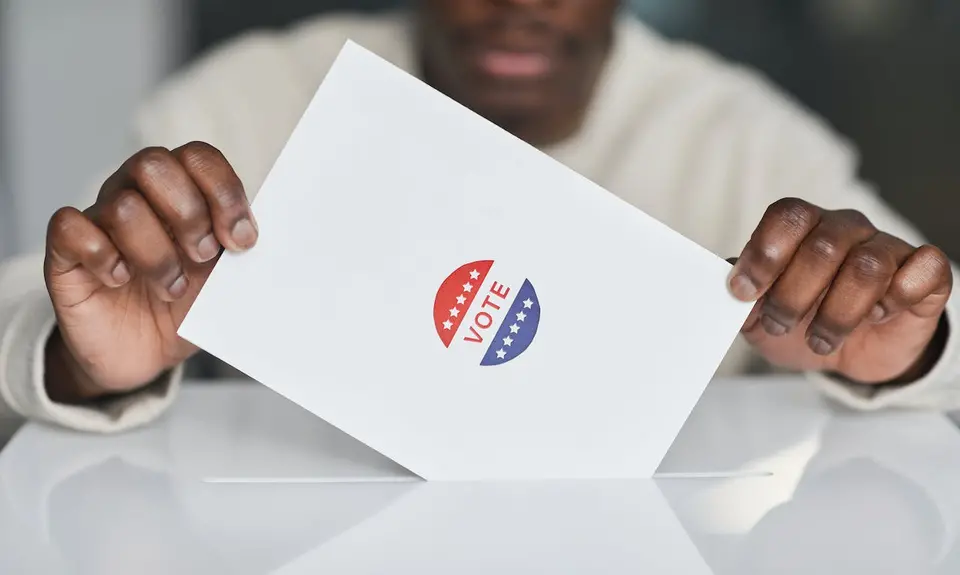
(939, 389)
(25, 331)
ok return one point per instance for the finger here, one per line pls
(143, 242)
(74, 241)
(771, 247)
(233, 221)
(812, 269)
(862, 280)
(174, 196)
(922, 285)
(753, 318)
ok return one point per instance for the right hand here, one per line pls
(123, 273)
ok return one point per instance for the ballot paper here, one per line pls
(459, 301)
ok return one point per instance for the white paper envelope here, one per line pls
(459, 301)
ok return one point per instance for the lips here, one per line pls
(514, 63)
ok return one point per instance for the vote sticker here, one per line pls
(478, 309)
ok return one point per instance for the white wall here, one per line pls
(73, 74)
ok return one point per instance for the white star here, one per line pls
(447, 324)
(527, 303)
(474, 275)
(461, 300)
(501, 354)
(521, 316)
(514, 328)
(508, 341)
(454, 312)
(468, 287)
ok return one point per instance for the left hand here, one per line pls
(835, 294)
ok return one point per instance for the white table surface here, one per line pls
(236, 480)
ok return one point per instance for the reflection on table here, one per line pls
(237, 480)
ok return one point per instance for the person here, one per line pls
(845, 289)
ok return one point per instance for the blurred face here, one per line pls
(528, 65)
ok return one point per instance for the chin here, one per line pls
(509, 106)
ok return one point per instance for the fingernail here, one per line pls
(819, 345)
(121, 273)
(772, 326)
(877, 313)
(743, 288)
(179, 287)
(244, 233)
(208, 248)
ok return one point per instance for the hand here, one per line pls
(834, 294)
(123, 273)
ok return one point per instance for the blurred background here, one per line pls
(883, 72)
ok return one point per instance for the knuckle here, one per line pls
(190, 215)
(228, 197)
(149, 164)
(794, 212)
(198, 155)
(99, 255)
(65, 233)
(761, 256)
(852, 219)
(222, 185)
(930, 271)
(786, 204)
(872, 264)
(826, 248)
(937, 262)
(62, 223)
(123, 208)
(903, 293)
(770, 255)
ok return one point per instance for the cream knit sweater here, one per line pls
(697, 143)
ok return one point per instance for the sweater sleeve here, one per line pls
(792, 154)
(26, 322)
